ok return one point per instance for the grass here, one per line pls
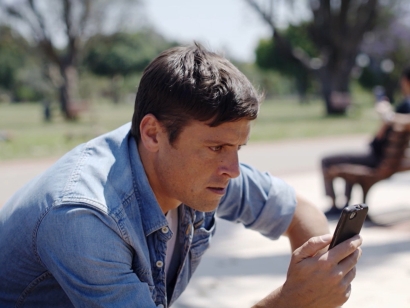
(31, 137)
(287, 119)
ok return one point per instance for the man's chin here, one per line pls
(205, 206)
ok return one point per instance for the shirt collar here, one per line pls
(151, 214)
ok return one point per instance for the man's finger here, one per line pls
(346, 248)
(348, 263)
(311, 247)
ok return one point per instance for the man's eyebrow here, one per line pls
(221, 143)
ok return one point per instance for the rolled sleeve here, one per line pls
(259, 201)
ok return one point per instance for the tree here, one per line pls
(268, 56)
(11, 57)
(18, 67)
(385, 52)
(122, 53)
(336, 30)
(58, 29)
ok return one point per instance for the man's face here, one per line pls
(196, 169)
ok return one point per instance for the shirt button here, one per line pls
(165, 229)
(160, 306)
(159, 264)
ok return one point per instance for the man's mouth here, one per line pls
(218, 190)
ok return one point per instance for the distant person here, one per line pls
(123, 220)
(373, 157)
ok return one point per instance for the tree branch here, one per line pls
(285, 48)
(40, 20)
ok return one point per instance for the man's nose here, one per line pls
(230, 165)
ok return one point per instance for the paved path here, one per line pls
(242, 266)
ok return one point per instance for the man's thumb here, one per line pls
(311, 247)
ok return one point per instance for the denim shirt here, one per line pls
(88, 232)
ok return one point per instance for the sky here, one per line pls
(230, 27)
(227, 26)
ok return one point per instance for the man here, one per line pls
(123, 220)
(375, 154)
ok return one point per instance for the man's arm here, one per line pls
(308, 221)
(316, 277)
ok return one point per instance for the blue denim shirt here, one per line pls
(88, 232)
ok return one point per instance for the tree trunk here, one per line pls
(334, 77)
(116, 83)
(67, 92)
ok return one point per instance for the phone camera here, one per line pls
(352, 215)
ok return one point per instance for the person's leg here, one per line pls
(328, 162)
(365, 159)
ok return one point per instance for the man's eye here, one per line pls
(216, 149)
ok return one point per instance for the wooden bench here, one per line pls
(396, 158)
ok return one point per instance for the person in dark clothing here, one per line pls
(374, 155)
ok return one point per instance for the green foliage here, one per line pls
(298, 35)
(123, 53)
(269, 56)
(12, 57)
(20, 69)
(389, 40)
(269, 82)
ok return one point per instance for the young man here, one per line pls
(375, 154)
(124, 219)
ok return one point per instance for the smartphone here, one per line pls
(350, 223)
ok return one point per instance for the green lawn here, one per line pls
(285, 119)
(31, 137)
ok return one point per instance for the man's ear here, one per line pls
(150, 130)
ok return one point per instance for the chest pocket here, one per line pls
(204, 229)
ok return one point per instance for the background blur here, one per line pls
(69, 71)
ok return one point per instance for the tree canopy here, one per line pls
(123, 53)
(269, 56)
(336, 30)
(59, 30)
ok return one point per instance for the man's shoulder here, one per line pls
(102, 172)
(96, 173)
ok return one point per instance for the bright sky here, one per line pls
(228, 26)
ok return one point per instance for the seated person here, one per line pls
(373, 157)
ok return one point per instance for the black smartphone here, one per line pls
(350, 223)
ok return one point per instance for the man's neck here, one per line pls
(147, 161)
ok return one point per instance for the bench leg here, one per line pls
(365, 189)
(348, 192)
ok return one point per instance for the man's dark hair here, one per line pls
(406, 73)
(191, 83)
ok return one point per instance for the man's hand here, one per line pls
(318, 279)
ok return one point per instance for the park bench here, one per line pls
(396, 158)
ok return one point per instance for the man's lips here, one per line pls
(218, 190)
